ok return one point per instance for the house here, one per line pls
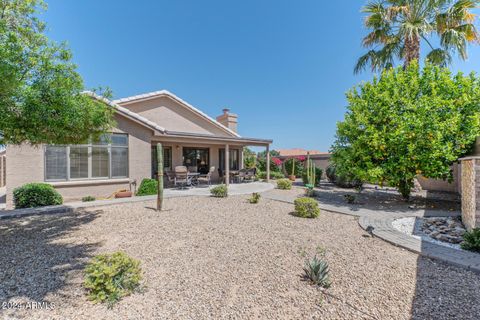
(99, 168)
(320, 159)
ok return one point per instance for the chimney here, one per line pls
(229, 120)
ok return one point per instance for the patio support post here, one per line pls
(227, 165)
(268, 163)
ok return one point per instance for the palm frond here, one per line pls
(440, 57)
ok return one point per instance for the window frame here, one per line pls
(90, 146)
(221, 162)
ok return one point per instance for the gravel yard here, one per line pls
(225, 258)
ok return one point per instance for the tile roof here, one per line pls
(298, 152)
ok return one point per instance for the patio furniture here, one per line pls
(250, 175)
(193, 176)
(239, 176)
(169, 178)
(181, 177)
(206, 177)
(192, 169)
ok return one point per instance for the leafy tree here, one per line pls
(398, 28)
(262, 161)
(249, 158)
(41, 98)
(408, 122)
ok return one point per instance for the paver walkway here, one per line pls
(379, 224)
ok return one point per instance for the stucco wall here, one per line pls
(470, 177)
(441, 185)
(3, 170)
(174, 117)
(26, 164)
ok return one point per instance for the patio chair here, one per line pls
(240, 176)
(250, 175)
(169, 178)
(207, 178)
(181, 177)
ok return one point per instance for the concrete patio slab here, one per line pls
(234, 189)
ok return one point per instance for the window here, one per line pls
(234, 159)
(196, 159)
(167, 160)
(106, 158)
(56, 163)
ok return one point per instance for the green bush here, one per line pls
(34, 195)
(471, 240)
(330, 173)
(306, 208)
(284, 184)
(88, 199)
(341, 180)
(273, 175)
(350, 198)
(148, 187)
(318, 176)
(255, 198)
(220, 191)
(109, 277)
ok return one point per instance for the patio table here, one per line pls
(194, 176)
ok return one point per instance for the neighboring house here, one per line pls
(100, 168)
(321, 159)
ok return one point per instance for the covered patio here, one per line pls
(219, 157)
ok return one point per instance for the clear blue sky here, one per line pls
(283, 66)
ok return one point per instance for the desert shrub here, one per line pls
(330, 173)
(299, 169)
(350, 198)
(273, 175)
(109, 277)
(147, 187)
(317, 271)
(284, 184)
(471, 240)
(88, 199)
(306, 208)
(255, 198)
(220, 191)
(342, 180)
(318, 176)
(34, 195)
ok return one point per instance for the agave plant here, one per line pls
(316, 270)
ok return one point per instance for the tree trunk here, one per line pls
(405, 188)
(412, 50)
(159, 176)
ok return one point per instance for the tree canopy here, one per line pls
(41, 98)
(408, 122)
(399, 27)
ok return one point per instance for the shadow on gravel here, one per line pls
(36, 254)
(387, 200)
(445, 292)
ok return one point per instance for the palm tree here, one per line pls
(399, 27)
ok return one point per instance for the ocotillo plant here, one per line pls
(159, 176)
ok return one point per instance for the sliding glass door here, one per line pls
(196, 159)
